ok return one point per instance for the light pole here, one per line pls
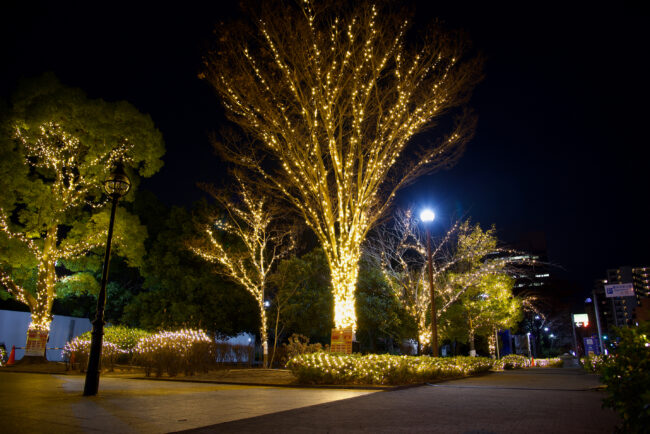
(116, 185)
(427, 216)
(600, 333)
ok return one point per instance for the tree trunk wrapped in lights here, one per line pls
(333, 96)
(257, 245)
(56, 148)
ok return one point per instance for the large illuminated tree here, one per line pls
(56, 148)
(245, 244)
(331, 95)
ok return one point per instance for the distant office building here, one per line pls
(619, 311)
(531, 269)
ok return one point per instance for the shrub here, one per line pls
(125, 338)
(627, 377)
(593, 363)
(299, 344)
(3, 355)
(512, 361)
(327, 368)
(173, 352)
(77, 352)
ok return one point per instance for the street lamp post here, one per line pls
(427, 216)
(116, 185)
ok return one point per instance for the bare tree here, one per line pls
(258, 244)
(332, 96)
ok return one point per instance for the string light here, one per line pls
(250, 267)
(400, 251)
(336, 109)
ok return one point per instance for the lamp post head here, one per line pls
(427, 215)
(117, 184)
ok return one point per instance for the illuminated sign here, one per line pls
(581, 319)
(619, 290)
(342, 341)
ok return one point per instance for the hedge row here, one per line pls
(327, 368)
(185, 351)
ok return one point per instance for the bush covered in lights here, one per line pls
(124, 337)
(78, 350)
(173, 352)
(554, 362)
(512, 361)
(326, 368)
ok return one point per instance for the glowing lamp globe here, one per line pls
(117, 184)
(427, 215)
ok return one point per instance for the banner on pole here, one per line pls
(619, 290)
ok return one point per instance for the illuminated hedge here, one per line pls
(554, 362)
(78, 350)
(173, 352)
(327, 368)
(512, 361)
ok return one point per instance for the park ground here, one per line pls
(532, 400)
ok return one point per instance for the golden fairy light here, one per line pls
(336, 108)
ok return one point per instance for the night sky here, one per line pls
(561, 145)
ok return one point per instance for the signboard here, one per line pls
(619, 290)
(581, 319)
(592, 347)
(36, 342)
(342, 341)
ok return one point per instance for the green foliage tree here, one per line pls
(482, 308)
(302, 299)
(179, 288)
(56, 148)
(381, 318)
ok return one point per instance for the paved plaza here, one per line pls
(526, 401)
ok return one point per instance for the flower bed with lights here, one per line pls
(327, 368)
(173, 352)
(78, 349)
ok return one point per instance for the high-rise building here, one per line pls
(641, 280)
(619, 311)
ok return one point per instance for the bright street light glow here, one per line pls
(427, 215)
(545, 329)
